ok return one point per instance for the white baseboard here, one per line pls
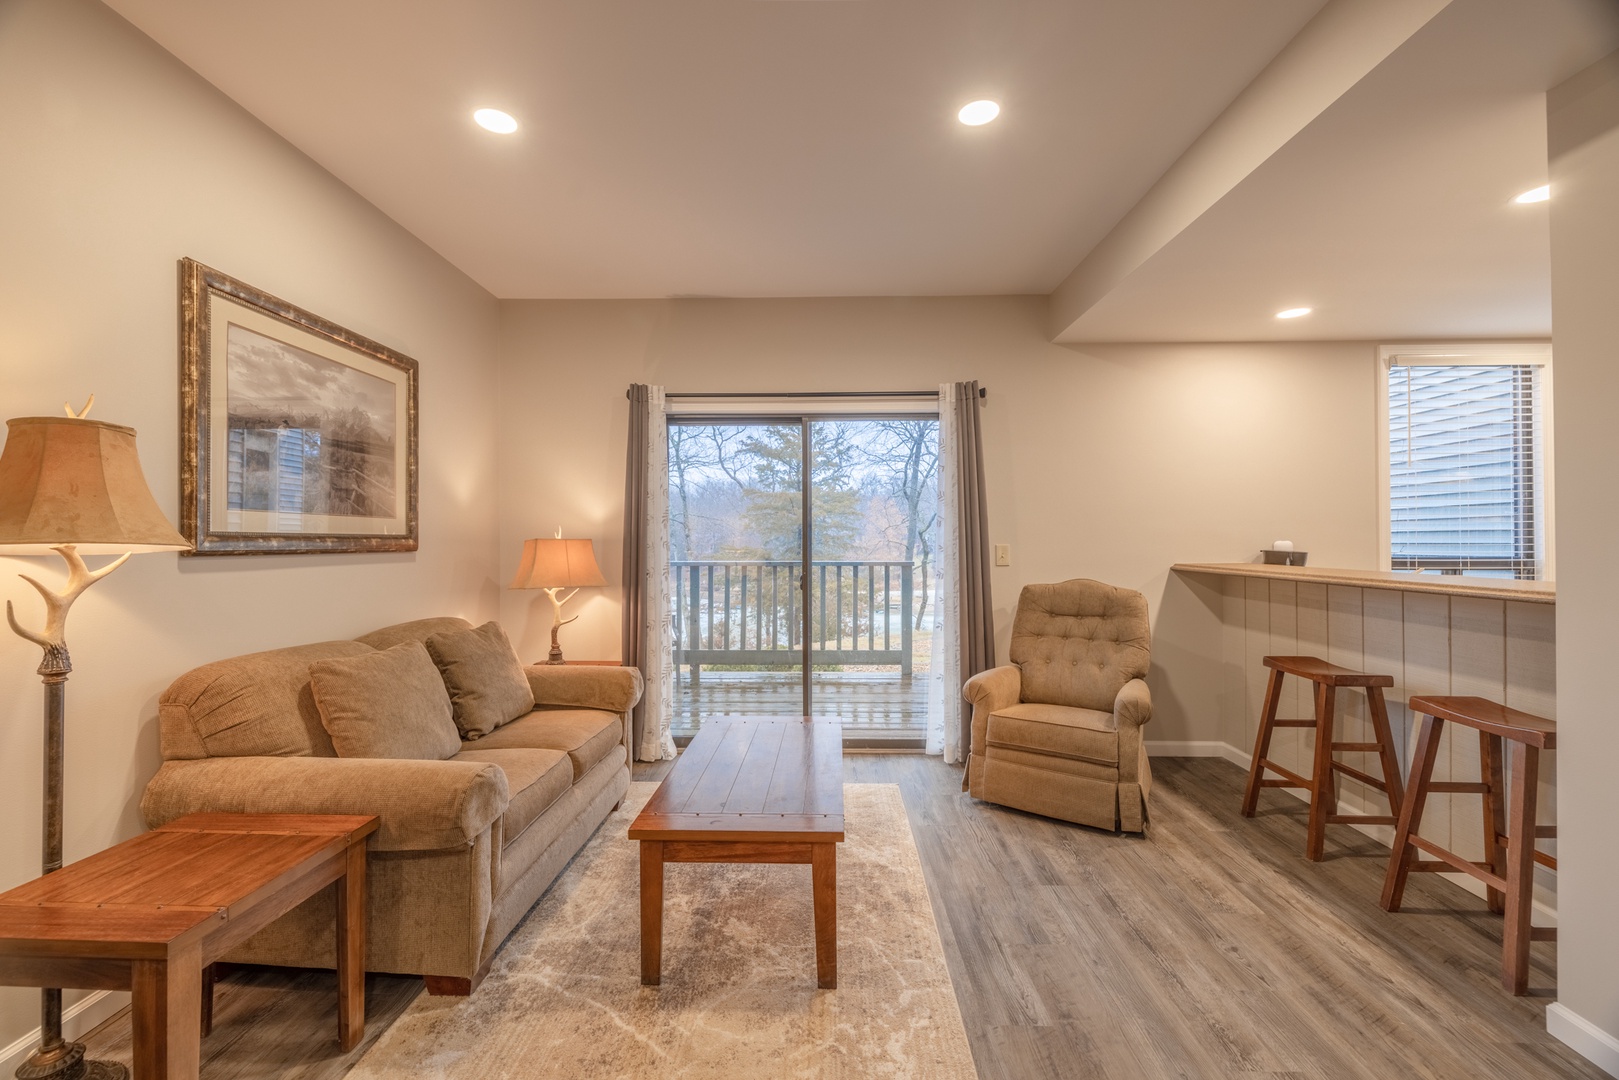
(78, 1019)
(1584, 1037)
(1383, 834)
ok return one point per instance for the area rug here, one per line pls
(738, 1000)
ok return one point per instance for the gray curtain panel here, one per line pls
(972, 526)
(634, 642)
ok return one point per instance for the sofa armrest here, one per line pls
(424, 805)
(611, 689)
(1133, 705)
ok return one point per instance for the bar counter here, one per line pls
(1528, 592)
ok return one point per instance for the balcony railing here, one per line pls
(750, 613)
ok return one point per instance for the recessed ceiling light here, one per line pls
(494, 120)
(1539, 194)
(975, 113)
(1293, 312)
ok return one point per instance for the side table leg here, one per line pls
(166, 1004)
(824, 871)
(651, 912)
(351, 949)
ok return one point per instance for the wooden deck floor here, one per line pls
(873, 705)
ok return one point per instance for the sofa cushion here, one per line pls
(416, 630)
(1056, 731)
(585, 735)
(258, 705)
(535, 778)
(484, 677)
(388, 704)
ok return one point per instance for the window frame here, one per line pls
(1475, 354)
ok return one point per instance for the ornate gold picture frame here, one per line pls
(298, 436)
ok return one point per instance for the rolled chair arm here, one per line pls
(994, 689)
(611, 689)
(1132, 708)
(997, 688)
(424, 805)
(1133, 705)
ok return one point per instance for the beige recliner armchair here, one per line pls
(1058, 731)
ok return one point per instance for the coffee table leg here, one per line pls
(824, 868)
(651, 912)
(351, 949)
(166, 1004)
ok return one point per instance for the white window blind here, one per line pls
(1462, 469)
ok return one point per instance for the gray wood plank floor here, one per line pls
(1210, 948)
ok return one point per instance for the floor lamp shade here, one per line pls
(65, 480)
(558, 564)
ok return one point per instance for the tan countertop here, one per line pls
(1529, 592)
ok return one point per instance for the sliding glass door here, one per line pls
(802, 576)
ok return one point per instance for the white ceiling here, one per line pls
(737, 147)
(1391, 214)
(809, 148)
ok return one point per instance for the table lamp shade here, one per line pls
(71, 481)
(557, 564)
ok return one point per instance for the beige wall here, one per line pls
(115, 161)
(1583, 129)
(1103, 461)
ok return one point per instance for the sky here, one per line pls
(263, 373)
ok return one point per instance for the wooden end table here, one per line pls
(748, 790)
(151, 914)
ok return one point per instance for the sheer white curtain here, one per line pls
(657, 743)
(944, 688)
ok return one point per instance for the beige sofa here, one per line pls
(1058, 730)
(466, 845)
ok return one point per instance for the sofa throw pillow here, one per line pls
(484, 677)
(388, 704)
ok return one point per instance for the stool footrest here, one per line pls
(1280, 783)
(1456, 862)
(1297, 780)
(1358, 747)
(1293, 723)
(1543, 933)
(1365, 778)
(1457, 787)
(1361, 819)
(1541, 857)
(1545, 832)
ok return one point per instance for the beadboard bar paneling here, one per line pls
(1460, 641)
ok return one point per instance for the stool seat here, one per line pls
(1510, 827)
(1492, 717)
(1322, 781)
(1319, 671)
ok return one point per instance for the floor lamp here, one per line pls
(73, 486)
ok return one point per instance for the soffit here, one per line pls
(1390, 214)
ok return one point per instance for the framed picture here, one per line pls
(298, 436)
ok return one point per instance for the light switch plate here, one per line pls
(1003, 554)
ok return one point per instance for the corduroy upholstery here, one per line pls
(466, 845)
(1058, 731)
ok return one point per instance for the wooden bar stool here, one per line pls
(1508, 870)
(1322, 783)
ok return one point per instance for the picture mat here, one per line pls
(223, 311)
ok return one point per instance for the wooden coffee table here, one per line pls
(748, 790)
(149, 915)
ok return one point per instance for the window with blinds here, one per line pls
(1462, 469)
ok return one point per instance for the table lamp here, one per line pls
(73, 486)
(554, 564)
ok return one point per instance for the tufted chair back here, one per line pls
(1078, 642)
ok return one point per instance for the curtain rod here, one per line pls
(983, 392)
